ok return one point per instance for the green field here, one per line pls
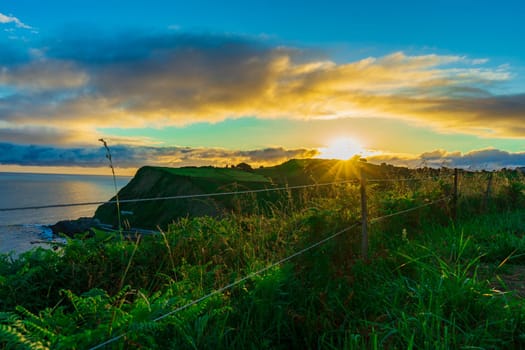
(430, 282)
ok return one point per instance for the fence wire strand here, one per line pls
(233, 284)
(258, 272)
(412, 178)
(374, 220)
(189, 196)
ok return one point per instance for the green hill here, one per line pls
(309, 171)
(156, 182)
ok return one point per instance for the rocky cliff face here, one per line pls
(73, 227)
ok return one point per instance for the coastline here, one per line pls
(19, 238)
(18, 228)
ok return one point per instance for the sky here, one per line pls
(178, 83)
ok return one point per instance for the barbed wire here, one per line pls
(233, 284)
(188, 196)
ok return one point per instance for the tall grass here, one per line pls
(110, 159)
(429, 283)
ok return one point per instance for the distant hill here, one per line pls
(155, 182)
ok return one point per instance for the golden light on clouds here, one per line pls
(342, 148)
(177, 86)
(171, 94)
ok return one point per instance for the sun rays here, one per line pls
(342, 148)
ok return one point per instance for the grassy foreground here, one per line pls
(428, 284)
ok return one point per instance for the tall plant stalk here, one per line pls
(108, 156)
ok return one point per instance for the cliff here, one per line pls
(156, 182)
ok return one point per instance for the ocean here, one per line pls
(19, 228)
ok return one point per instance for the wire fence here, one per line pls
(409, 179)
(233, 284)
(374, 220)
(203, 195)
(450, 198)
(281, 261)
(189, 196)
(262, 270)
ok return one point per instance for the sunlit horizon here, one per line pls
(344, 148)
(207, 83)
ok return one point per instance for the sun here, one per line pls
(341, 148)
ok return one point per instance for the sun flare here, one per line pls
(341, 148)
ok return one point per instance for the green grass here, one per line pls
(429, 284)
(217, 174)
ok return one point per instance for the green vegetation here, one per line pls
(222, 174)
(429, 283)
(155, 182)
(152, 182)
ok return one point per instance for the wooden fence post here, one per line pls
(487, 192)
(455, 196)
(364, 216)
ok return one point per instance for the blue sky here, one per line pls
(204, 82)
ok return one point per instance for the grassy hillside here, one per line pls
(213, 283)
(308, 171)
(217, 174)
(426, 286)
(154, 182)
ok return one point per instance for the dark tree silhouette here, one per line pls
(244, 166)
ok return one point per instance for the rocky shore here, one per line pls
(73, 227)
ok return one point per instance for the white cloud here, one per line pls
(5, 19)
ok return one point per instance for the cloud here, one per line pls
(134, 156)
(277, 154)
(128, 156)
(483, 159)
(86, 83)
(38, 135)
(10, 19)
(43, 74)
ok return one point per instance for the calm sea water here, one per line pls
(19, 228)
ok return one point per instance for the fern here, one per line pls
(16, 337)
(8, 317)
(12, 338)
(35, 323)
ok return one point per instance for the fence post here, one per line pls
(364, 216)
(487, 192)
(455, 196)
